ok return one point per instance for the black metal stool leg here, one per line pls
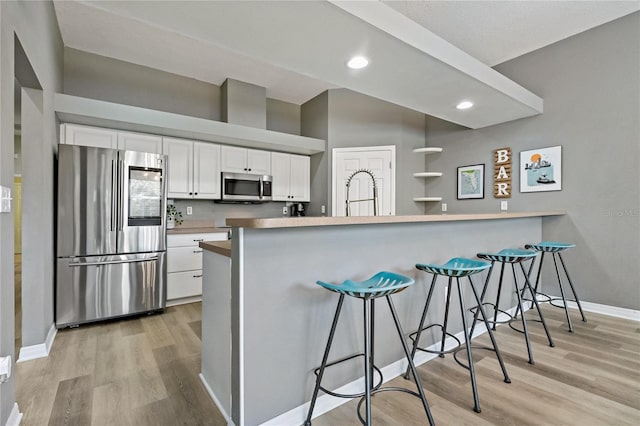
(482, 296)
(495, 311)
(411, 366)
(367, 359)
(527, 284)
(491, 336)
(421, 325)
(472, 372)
(307, 422)
(573, 290)
(535, 288)
(522, 317)
(446, 318)
(564, 299)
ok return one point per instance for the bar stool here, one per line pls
(511, 256)
(457, 267)
(382, 284)
(555, 248)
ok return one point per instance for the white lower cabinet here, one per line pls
(184, 265)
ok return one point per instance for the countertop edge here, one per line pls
(298, 222)
(197, 230)
(220, 247)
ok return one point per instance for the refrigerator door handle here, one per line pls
(120, 193)
(114, 186)
(112, 262)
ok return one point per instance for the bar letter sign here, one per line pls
(502, 173)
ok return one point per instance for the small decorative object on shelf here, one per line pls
(174, 217)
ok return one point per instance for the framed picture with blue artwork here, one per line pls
(471, 182)
(541, 169)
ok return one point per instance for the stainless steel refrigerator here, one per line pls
(111, 241)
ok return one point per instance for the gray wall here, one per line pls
(98, 77)
(314, 123)
(356, 120)
(35, 25)
(590, 84)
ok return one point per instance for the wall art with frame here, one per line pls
(471, 182)
(541, 169)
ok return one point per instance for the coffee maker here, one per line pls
(298, 209)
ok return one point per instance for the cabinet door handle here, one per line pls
(201, 239)
(197, 276)
(197, 251)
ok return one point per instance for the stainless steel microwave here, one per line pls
(246, 188)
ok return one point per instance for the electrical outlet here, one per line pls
(323, 209)
(285, 210)
(444, 207)
(189, 210)
(504, 206)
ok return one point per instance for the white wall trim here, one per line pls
(612, 311)
(216, 401)
(15, 417)
(327, 403)
(240, 262)
(27, 353)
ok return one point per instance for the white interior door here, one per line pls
(380, 161)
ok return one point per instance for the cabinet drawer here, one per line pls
(184, 258)
(186, 240)
(184, 284)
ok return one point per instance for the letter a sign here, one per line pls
(502, 173)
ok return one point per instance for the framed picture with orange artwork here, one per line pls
(541, 169)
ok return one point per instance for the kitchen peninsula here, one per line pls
(265, 321)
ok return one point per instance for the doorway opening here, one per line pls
(380, 162)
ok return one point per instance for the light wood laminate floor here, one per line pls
(144, 371)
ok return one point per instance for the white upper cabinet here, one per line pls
(180, 172)
(194, 169)
(206, 170)
(243, 160)
(72, 134)
(140, 142)
(291, 177)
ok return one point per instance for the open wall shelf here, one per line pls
(427, 174)
(427, 150)
(427, 199)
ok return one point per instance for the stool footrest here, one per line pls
(455, 353)
(385, 389)
(511, 318)
(344, 395)
(433, 351)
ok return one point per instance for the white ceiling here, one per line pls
(299, 49)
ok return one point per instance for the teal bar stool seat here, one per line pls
(457, 268)
(382, 284)
(555, 248)
(512, 257)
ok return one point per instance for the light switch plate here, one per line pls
(189, 210)
(5, 199)
(504, 206)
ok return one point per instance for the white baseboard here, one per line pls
(27, 353)
(326, 403)
(15, 417)
(183, 301)
(612, 311)
(216, 401)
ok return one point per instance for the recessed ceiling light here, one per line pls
(464, 105)
(357, 62)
